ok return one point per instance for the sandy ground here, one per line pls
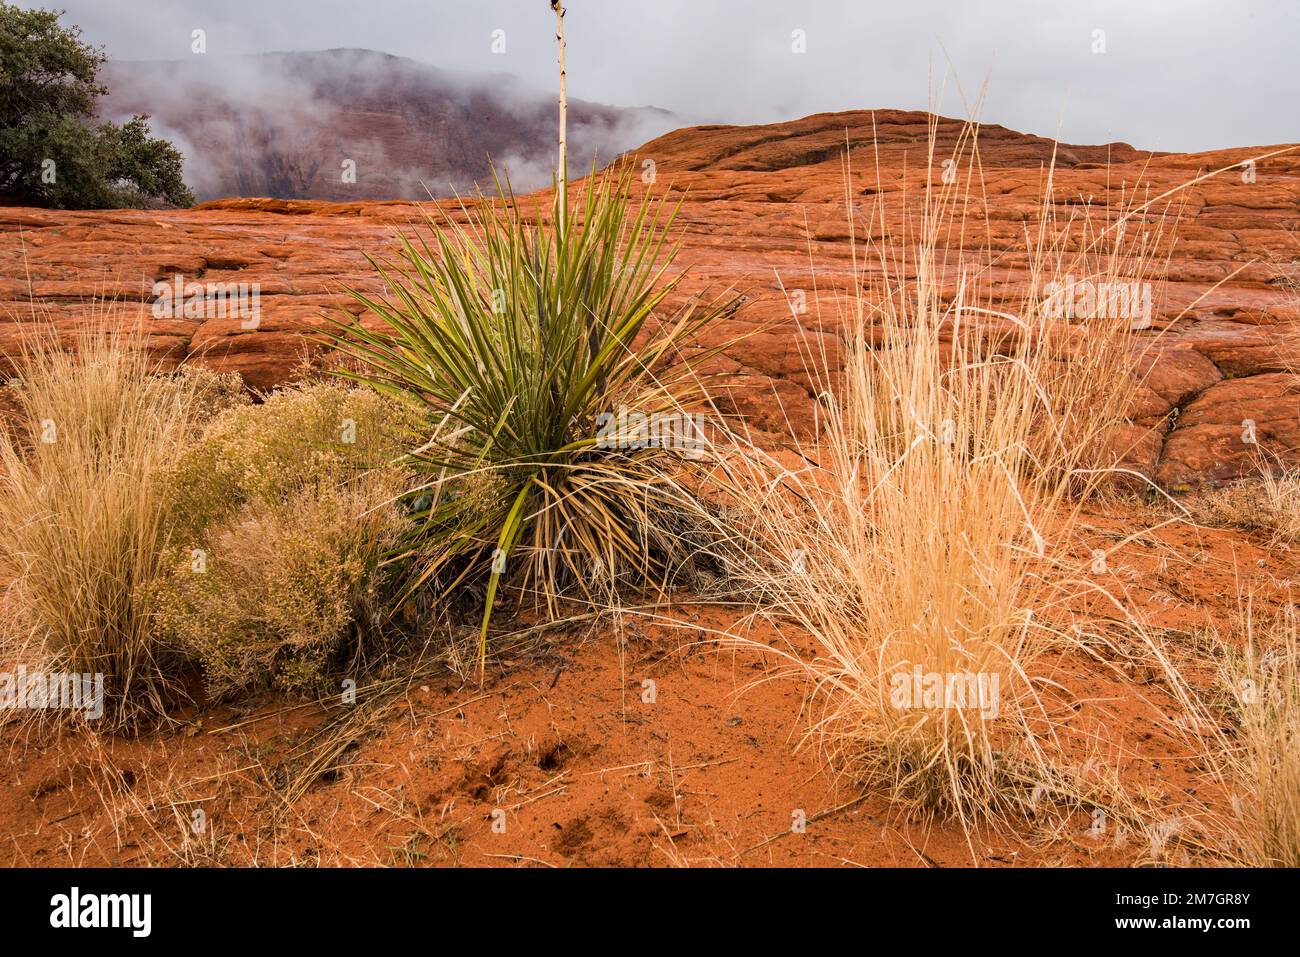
(639, 741)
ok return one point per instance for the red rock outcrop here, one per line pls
(763, 208)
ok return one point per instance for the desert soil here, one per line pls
(559, 758)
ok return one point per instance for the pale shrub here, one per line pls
(286, 511)
(313, 435)
(283, 586)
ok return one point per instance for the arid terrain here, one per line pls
(664, 734)
(758, 203)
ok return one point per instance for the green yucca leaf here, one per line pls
(515, 337)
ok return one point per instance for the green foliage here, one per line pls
(284, 586)
(314, 436)
(51, 151)
(46, 67)
(282, 514)
(515, 336)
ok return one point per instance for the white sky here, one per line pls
(1176, 74)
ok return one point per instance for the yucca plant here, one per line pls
(522, 336)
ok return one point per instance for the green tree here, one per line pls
(52, 152)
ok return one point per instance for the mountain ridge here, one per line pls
(348, 123)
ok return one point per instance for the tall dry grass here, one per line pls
(926, 554)
(921, 542)
(1259, 757)
(1089, 368)
(1281, 492)
(83, 521)
(1240, 718)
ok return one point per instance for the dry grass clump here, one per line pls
(1270, 504)
(913, 554)
(286, 513)
(153, 521)
(1092, 298)
(84, 519)
(913, 547)
(1262, 760)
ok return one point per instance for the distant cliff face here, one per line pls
(354, 124)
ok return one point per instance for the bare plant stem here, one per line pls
(563, 175)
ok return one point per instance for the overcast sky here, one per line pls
(1175, 74)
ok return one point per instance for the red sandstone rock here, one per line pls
(763, 209)
(1234, 428)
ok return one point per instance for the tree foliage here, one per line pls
(52, 150)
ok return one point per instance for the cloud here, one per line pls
(1176, 74)
(289, 124)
